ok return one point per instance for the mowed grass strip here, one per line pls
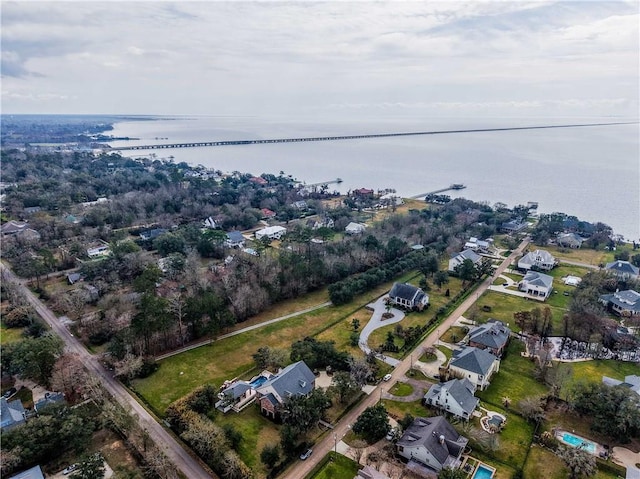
(10, 335)
(336, 466)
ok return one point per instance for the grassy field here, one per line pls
(398, 410)
(336, 466)
(9, 335)
(582, 255)
(453, 334)
(544, 463)
(401, 389)
(231, 357)
(514, 380)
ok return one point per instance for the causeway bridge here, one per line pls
(199, 144)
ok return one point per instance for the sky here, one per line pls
(322, 59)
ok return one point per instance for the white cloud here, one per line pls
(264, 57)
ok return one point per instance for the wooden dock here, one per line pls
(455, 186)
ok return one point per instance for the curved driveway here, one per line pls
(189, 466)
(377, 321)
(302, 468)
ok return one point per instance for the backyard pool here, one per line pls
(576, 441)
(484, 472)
(259, 381)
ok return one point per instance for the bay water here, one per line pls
(592, 172)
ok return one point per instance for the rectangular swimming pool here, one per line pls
(483, 472)
(576, 441)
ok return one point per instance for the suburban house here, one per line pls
(492, 336)
(12, 414)
(73, 278)
(210, 223)
(569, 240)
(12, 227)
(624, 303)
(631, 381)
(237, 394)
(294, 380)
(482, 246)
(537, 260)
(455, 396)
(476, 365)
(538, 285)
(99, 250)
(513, 226)
(47, 400)
(152, 234)
(458, 258)
(234, 239)
(355, 228)
(271, 232)
(34, 473)
(623, 270)
(267, 213)
(432, 442)
(408, 296)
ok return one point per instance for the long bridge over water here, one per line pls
(198, 144)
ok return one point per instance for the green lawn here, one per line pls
(594, 370)
(10, 335)
(398, 410)
(454, 334)
(543, 463)
(401, 389)
(514, 380)
(336, 466)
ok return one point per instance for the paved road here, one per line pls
(300, 469)
(179, 456)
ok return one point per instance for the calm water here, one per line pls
(590, 172)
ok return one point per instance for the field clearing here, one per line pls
(581, 255)
(231, 357)
(10, 335)
(336, 466)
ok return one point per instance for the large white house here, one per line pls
(432, 442)
(538, 285)
(476, 365)
(539, 259)
(271, 232)
(355, 228)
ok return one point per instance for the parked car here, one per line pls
(306, 454)
(69, 469)
(386, 377)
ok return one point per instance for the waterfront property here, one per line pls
(623, 270)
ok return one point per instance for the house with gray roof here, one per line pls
(294, 380)
(513, 226)
(492, 336)
(12, 414)
(47, 400)
(631, 381)
(476, 365)
(537, 285)
(355, 228)
(12, 227)
(458, 258)
(624, 303)
(34, 473)
(623, 270)
(368, 472)
(408, 296)
(455, 396)
(431, 442)
(234, 239)
(569, 240)
(539, 259)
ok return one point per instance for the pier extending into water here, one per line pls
(199, 144)
(455, 186)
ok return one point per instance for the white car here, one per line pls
(386, 377)
(69, 469)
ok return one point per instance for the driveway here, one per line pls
(377, 321)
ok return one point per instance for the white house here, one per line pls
(624, 303)
(432, 442)
(475, 365)
(271, 232)
(455, 396)
(98, 251)
(234, 239)
(210, 223)
(539, 259)
(478, 245)
(569, 240)
(538, 285)
(355, 228)
(458, 258)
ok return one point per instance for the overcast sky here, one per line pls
(322, 59)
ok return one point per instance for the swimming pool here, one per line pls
(483, 472)
(259, 381)
(576, 441)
